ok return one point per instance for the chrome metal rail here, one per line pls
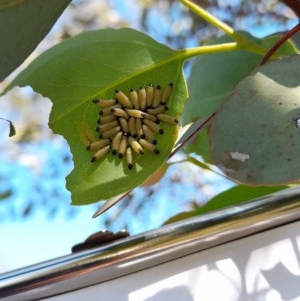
(151, 248)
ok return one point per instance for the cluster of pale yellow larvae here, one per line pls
(129, 125)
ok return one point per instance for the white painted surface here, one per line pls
(264, 267)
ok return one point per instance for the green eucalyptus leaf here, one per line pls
(255, 135)
(214, 76)
(179, 217)
(91, 65)
(5, 195)
(230, 197)
(236, 195)
(23, 24)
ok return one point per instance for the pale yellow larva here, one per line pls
(158, 110)
(150, 117)
(157, 97)
(153, 126)
(142, 98)
(132, 127)
(138, 128)
(148, 146)
(107, 126)
(124, 125)
(123, 99)
(149, 95)
(135, 145)
(122, 147)
(119, 112)
(129, 159)
(134, 99)
(149, 136)
(115, 144)
(93, 146)
(107, 111)
(166, 94)
(101, 153)
(167, 118)
(110, 133)
(135, 113)
(105, 103)
(106, 119)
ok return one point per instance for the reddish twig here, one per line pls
(281, 41)
(178, 147)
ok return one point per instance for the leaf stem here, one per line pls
(241, 42)
(191, 52)
(209, 18)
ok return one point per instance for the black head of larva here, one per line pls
(128, 124)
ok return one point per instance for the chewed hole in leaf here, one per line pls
(128, 125)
